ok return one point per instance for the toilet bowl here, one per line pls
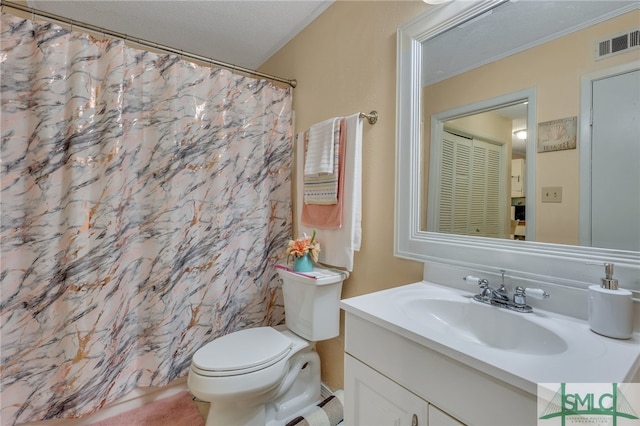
(265, 375)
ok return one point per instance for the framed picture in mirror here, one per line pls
(557, 135)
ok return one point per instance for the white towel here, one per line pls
(320, 153)
(338, 245)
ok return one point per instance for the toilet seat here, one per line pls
(241, 352)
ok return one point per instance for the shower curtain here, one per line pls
(144, 202)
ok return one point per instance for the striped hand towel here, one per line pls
(322, 189)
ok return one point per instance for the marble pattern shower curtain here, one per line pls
(144, 201)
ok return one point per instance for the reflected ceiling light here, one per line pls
(435, 1)
(521, 134)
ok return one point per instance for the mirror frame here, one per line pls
(546, 262)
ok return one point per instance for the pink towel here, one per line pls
(329, 216)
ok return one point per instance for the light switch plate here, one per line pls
(552, 194)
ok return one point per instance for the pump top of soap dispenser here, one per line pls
(608, 281)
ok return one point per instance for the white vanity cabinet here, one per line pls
(375, 400)
(393, 380)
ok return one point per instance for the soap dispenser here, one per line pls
(610, 308)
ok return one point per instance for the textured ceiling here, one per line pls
(509, 28)
(240, 32)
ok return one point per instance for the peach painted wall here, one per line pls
(345, 62)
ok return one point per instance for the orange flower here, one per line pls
(302, 246)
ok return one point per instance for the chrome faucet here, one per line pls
(488, 293)
(499, 296)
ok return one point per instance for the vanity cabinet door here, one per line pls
(371, 399)
(440, 418)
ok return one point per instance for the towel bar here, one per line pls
(372, 117)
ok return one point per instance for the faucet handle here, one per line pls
(475, 280)
(520, 298)
(536, 293)
(471, 279)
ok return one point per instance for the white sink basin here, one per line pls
(522, 349)
(483, 324)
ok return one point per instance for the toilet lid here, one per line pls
(242, 352)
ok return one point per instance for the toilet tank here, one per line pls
(311, 301)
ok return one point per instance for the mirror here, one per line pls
(434, 92)
(553, 58)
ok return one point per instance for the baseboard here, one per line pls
(325, 391)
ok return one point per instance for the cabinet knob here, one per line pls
(414, 420)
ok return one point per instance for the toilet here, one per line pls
(266, 375)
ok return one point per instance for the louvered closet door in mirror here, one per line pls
(471, 187)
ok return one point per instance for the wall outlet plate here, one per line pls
(552, 194)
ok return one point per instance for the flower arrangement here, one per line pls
(301, 246)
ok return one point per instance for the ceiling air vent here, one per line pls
(617, 44)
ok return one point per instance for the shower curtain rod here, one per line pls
(145, 43)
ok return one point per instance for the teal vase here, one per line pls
(303, 264)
